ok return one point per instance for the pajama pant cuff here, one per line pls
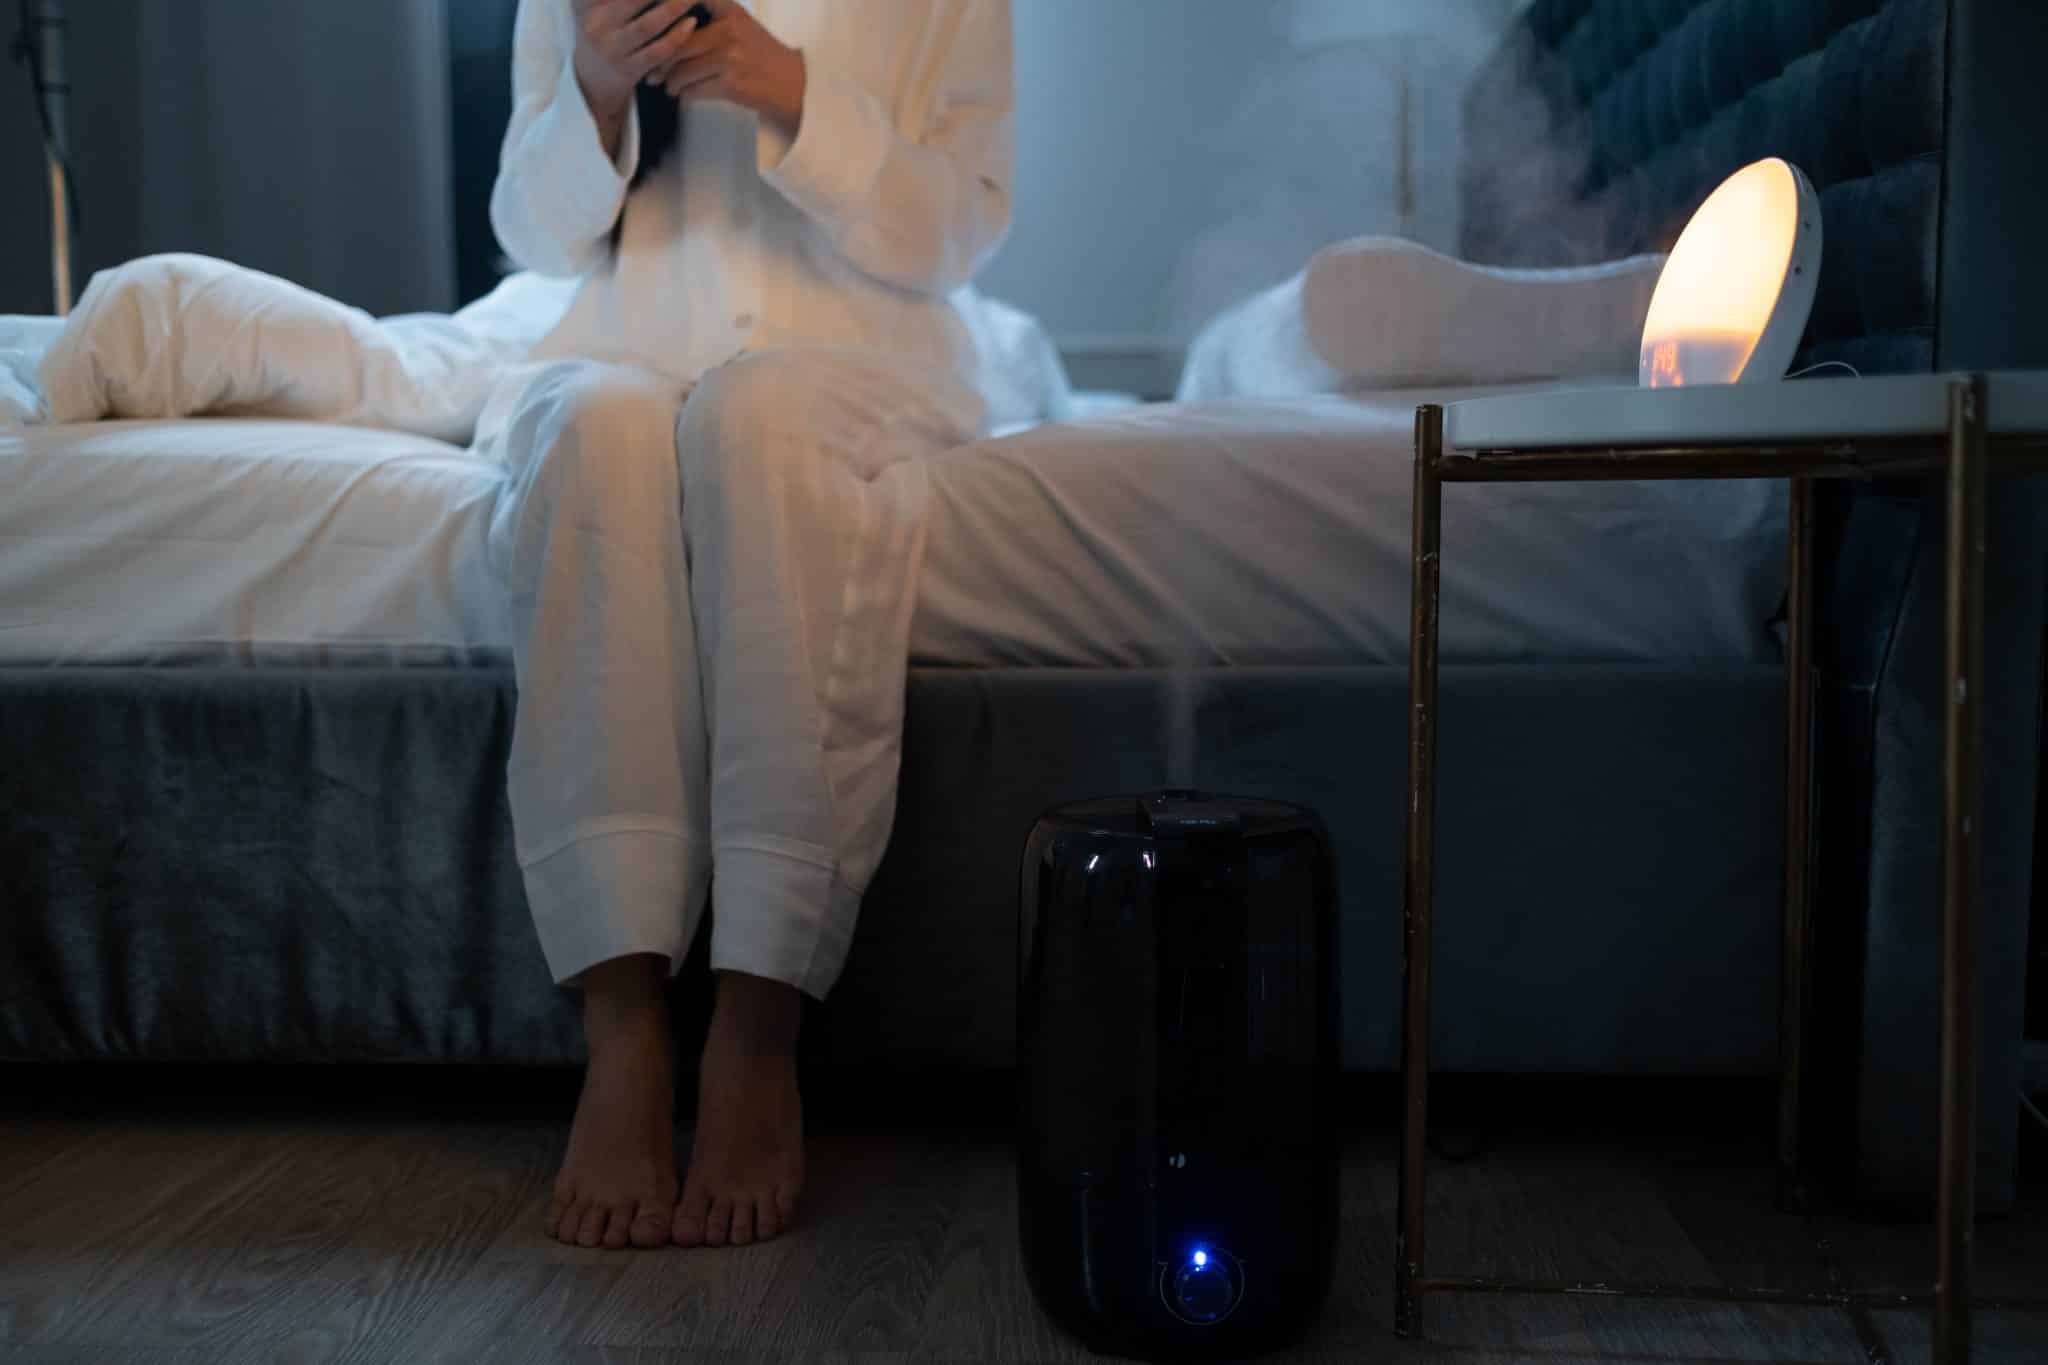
(780, 917)
(610, 895)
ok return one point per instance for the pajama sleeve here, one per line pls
(922, 211)
(557, 195)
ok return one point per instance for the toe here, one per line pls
(650, 1224)
(591, 1232)
(559, 1205)
(766, 1223)
(563, 1229)
(742, 1232)
(719, 1223)
(689, 1221)
(617, 1224)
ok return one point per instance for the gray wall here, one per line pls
(1120, 106)
(307, 138)
(1176, 156)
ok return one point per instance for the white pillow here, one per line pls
(1385, 312)
(1382, 313)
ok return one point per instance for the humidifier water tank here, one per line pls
(1177, 1172)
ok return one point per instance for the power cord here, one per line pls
(1827, 365)
(27, 49)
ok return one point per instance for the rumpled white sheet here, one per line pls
(1259, 349)
(1023, 379)
(184, 335)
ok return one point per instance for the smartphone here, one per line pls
(701, 13)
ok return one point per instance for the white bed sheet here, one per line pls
(1254, 532)
(1239, 533)
(242, 541)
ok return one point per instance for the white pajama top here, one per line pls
(893, 193)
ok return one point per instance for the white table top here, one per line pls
(1797, 410)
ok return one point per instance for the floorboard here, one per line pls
(450, 1193)
(82, 1242)
(415, 1234)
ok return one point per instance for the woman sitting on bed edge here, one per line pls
(712, 520)
(712, 528)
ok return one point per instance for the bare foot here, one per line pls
(617, 1186)
(747, 1160)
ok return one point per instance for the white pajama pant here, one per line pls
(711, 595)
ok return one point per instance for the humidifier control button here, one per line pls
(1203, 1287)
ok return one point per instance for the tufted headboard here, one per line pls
(1602, 124)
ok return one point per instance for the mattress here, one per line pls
(1222, 534)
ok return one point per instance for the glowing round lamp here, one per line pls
(1733, 299)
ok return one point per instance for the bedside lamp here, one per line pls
(1732, 301)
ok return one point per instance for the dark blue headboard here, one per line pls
(1602, 124)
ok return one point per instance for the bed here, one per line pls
(256, 706)
(256, 685)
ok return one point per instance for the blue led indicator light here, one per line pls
(1201, 1258)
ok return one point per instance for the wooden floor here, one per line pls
(224, 1225)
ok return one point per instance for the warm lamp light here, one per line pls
(1733, 300)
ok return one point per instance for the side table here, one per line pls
(1958, 425)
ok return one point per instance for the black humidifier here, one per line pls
(1177, 1172)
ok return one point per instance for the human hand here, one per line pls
(619, 42)
(736, 60)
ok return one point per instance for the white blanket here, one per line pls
(190, 336)
(186, 336)
(1259, 349)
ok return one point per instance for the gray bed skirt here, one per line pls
(271, 864)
